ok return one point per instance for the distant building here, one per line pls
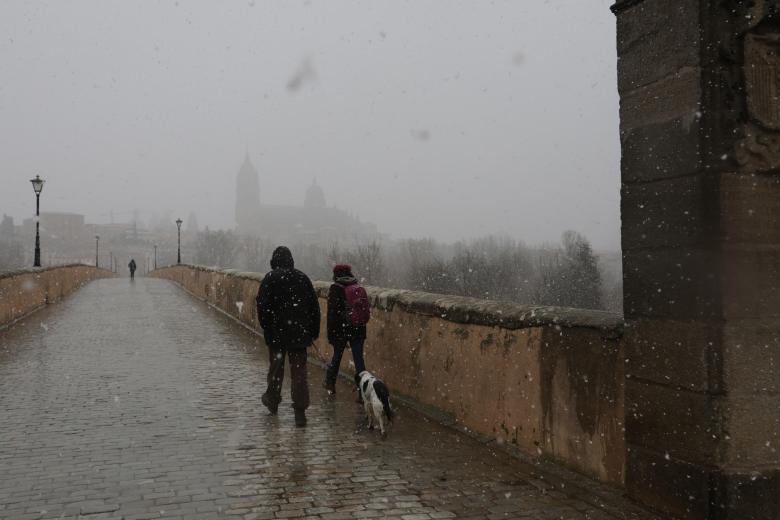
(315, 197)
(314, 222)
(247, 195)
(7, 231)
(65, 237)
(66, 226)
(192, 223)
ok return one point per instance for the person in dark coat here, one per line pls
(289, 313)
(341, 331)
(131, 266)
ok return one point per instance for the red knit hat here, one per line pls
(342, 268)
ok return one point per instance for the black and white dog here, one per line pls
(376, 400)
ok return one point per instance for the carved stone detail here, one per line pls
(759, 150)
(762, 78)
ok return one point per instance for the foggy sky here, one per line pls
(444, 118)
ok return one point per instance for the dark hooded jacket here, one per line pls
(340, 328)
(287, 306)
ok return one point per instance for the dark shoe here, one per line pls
(273, 408)
(330, 387)
(300, 418)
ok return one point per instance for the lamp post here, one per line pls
(97, 241)
(37, 184)
(155, 257)
(178, 225)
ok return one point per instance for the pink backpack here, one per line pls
(358, 307)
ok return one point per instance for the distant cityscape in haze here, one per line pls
(568, 273)
(68, 237)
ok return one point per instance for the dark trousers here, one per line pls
(338, 350)
(298, 383)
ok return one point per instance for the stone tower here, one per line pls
(700, 127)
(247, 194)
(315, 197)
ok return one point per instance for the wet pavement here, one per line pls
(137, 401)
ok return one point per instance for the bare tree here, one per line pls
(255, 253)
(217, 248)
(572, 278)
(496, 268)
(368, 255)
(11, 255)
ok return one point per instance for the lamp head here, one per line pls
(37, 183)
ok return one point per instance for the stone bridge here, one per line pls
(139, 401)
(136, 400)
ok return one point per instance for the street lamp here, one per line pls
(97, 241)
(178, 224)
(37, 184)
(155, 257)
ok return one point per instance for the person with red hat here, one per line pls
(348, 312)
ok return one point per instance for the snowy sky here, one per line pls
(441, 118)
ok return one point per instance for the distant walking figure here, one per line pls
(348, 313)
(131, 266)
(289, 314)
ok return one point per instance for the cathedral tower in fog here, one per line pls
(315, 197)
(247, 195)
(314, 222)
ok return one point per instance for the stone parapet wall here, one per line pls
(546, 381)
(25, 290)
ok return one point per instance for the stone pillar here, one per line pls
(699, 84)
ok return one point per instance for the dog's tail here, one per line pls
(384, 397)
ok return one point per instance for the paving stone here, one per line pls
(137, 401)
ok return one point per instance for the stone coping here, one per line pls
(466, 310)
(34, 270)
(622, 5)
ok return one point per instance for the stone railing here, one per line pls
(546, 381)
(26, 290)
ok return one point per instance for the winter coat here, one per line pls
(131, 265)
(287, 306)
(340, 327)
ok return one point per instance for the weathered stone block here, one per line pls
(751, 281)
(656, 38)
(581, 385)
(660, 150)
(674, 353)
(669, 485)
(668, 213)
(677, 423)
(750, 208)
(749, 496)
(676, 96)
(753, 431)
(680, 284)
(695, 492)
(751, 357)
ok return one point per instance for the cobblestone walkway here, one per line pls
(135, 401)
